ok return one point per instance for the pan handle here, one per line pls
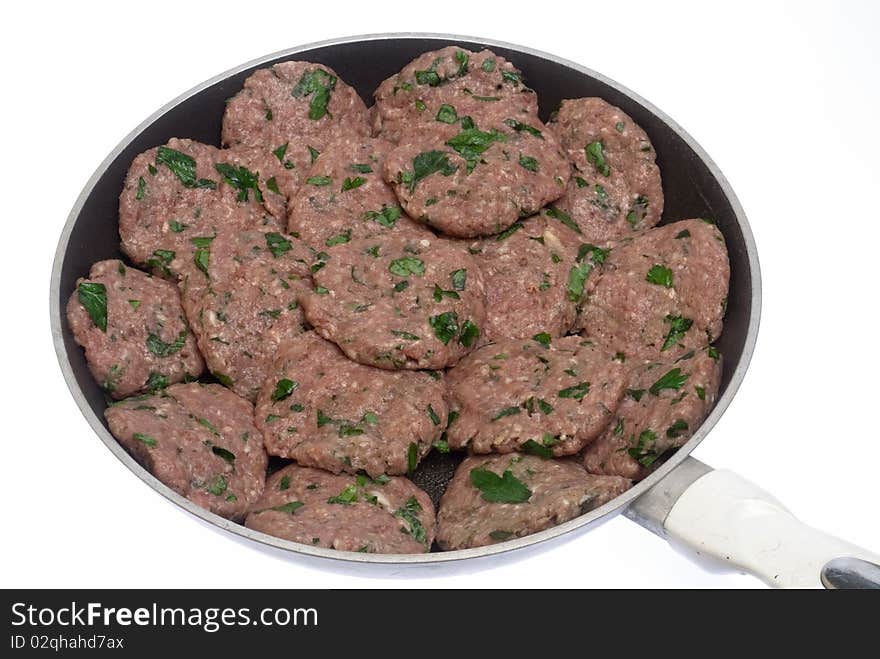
(725, 518)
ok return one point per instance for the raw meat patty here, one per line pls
(198, 439)
(247, 307)
(175, 194)
(399, 302)
(481, 85)
(664, 405)
(616, 188)
(133, 330)
(348, 513)
(324, 410)
(494, 498)
(534, 283)
(469, 180)
(662, 293)
(300, 104)
(537, 395)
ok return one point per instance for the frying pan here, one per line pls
(715, 513)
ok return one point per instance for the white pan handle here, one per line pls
(724, 517)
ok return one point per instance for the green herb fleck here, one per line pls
(445, 326)
(161, 349)
(346, 497)
(424, 165)
(155, 382)
(644, 452)
(678, 326)
(534, 448)
(637, 211)
(447, 114)
(636, 394)
(577, 277)
(272, 185)
(506, 488)
(677, 429)
(145, 439)
(577, 391)
(412, 457)
(386, 217)
(283, 389)
(565, 218)
(529, 163)
(469, 333)
(339, 238)
(161, 259)
(471, 143)
(183, 167)
(352, 183)
(93, 297)
(409, 513)
(459, 279)
(509, 231)
(660, 275)
(406, 335)
(543, 338)
(217, 486)
(596, 156)
(407, 265)
(507, 411)
(672, 379)
(319, 84)
(277, 244)
(511, 77)
(523, 128)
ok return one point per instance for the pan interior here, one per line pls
(689, 186)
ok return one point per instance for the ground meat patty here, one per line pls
(469, 180)
(534, 283)
(473, 84)
(616, 186)
(348, 513)
(493, 498)
(249, 306)
(661, 294)
(324, 410)
(538, 395)
(344, 197)
(198, 439)
(397, 302)
(664, 405)
(174, 196)
(133, 330)
(298, 104)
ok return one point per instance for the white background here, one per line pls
(784, 97)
